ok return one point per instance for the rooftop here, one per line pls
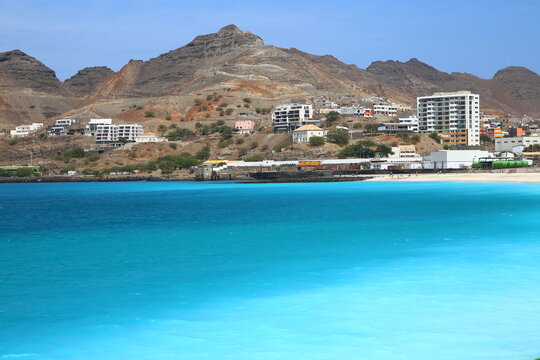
(308, 127)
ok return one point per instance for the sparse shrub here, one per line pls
(173, 146)
(76, 152)
(247, 100)
(435, 137)
(179, 134)
(253, 145)
(338, 136)
(224, 143)
(258, 157)
(229, 111)
(204, 154)
(149, 114)
(139, 107)
(168, 117)
(316, 141)
(242, 152)
(239, 141)
(332, 117)
(197, 102)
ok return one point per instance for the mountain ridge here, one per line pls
(232, 55)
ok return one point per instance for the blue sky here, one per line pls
(474, 36)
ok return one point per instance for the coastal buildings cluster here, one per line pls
(454, 118)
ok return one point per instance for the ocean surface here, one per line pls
(328, 271)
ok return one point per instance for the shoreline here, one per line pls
(521, 177)
(471, 177)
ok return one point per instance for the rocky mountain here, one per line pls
(20, 71)
(86, 80)
(238, 63)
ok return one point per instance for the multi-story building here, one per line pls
(106, 133)
(493, 130)
(60, 127)
(92, 126)
(385, 109)
(455, 116)
(129, 131)
(289, 117)
(25, 130)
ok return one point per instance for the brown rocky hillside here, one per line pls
(235, 64)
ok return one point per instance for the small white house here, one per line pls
(150, 138)
(305, 132)
(404, 151)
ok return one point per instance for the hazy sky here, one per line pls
(474, 36)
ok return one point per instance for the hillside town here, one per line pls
(315, 138)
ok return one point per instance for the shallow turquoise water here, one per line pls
(270, 271)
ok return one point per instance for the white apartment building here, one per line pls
(453, 115)
(130, 131)
(305, 132)
(289, 117)
(25, 130)
(385, 109)
(515, 144)
(92, 126)
(106, 133)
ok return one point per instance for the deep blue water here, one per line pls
(378, 271)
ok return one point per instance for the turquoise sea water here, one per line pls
(335, 271)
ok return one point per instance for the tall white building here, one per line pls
(106, 133)
(455, 116)
(289, 117)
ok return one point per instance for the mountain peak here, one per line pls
(514, 72)
(87, 80)
(22, 71)
(229, 28)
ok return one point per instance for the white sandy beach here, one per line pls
(495, 177)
